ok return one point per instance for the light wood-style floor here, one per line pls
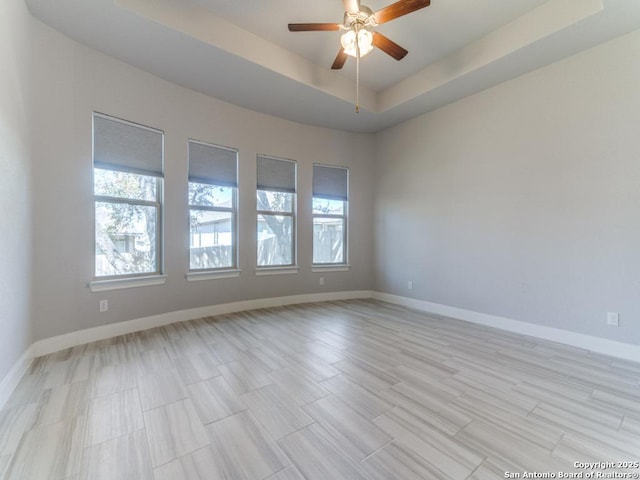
(342, 390)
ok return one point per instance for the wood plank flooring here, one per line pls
(340, 390)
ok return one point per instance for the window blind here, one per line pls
(276, 175)
(213, 165)
(330, 182)
(126, 147)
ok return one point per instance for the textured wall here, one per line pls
(15, 184)
(522, 200)
(72, 82)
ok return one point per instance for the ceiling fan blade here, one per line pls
(340, 60)
(389, 46)
(398, 9)
(351, 6)
(313, 27)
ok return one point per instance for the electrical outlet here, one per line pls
(410, 285)
(321, 281)
(104, 306)
(613, 319)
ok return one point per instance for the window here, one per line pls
(213, 182)
(276, 199)
(128, 173)
(330, 197)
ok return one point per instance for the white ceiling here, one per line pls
(242, 52)
(426, 33)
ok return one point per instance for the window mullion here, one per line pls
(211, 209)
(321, 215)
(277, 214)
(127, 201)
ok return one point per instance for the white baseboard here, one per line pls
(605, 346)
(80, 337)
(61, 342)
(11, 379)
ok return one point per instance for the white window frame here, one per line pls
(195, 274)
(344, 264)
(157, 204)
(112, 282)
(292, 215)
(345, 234)
(289, 267)
(233, 210)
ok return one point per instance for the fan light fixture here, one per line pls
(359, 35)
(365, 42)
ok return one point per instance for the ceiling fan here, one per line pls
(359, 23)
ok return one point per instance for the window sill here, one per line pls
(331, 268)
(212, 275)
(263, 271)
(121, 283)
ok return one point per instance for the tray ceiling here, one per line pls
(242, 52)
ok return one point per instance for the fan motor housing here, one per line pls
(364, 17)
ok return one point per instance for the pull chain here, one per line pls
(358, 84)
(357, 70)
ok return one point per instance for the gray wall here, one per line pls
(522, 201)
(73, 81)
(15, 201)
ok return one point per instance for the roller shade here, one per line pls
(330, 182)
(126, 147)
(276, 175)
(213, 165)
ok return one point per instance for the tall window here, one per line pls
(330, 202)
(213, 182)
(127, 171)
(276, 199)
